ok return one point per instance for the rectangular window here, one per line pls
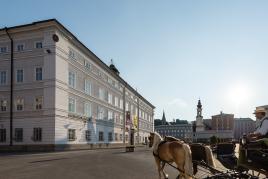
(126, 139)
(100, 113)
(127, 106)
(18, 134)
(115, 136)
(121, 104)
(101, 94)
(20, 47)
(19, 76)
(116, 101)
(88, 135)
(38, 45)
(3, 135)
(71, 54)
(121, 119)
(19, 104)
(72, 105)
(37, 134)
(38, 102)
(3, 77)
(110, 136)
(71, 134)
(101, 137)
(38, 74)
(3, 49)
(3, 105)
(87, 109)
(110, 115)
(87, 65)
(87, 87)
(121, 137)
(110, 98)
(72, 79)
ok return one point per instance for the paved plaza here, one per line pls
(93, 164)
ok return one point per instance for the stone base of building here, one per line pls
(60, 147)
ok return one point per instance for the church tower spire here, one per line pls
(164, 121)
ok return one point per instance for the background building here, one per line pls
(180, 129)
(222, 122)
(243, 126)
(62, 95)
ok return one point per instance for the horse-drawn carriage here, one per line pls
(251, 162)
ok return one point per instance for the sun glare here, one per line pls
(239, 94)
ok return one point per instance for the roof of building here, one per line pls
(106, 67)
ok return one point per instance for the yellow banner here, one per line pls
(135, 122)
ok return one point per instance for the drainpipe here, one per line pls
(11, 87)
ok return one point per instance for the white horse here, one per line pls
(172, 151)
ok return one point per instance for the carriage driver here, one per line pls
(262, 124)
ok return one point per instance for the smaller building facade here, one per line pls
(180, 131)
(222, 122)
(243, 126)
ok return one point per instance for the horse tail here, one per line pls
(188, 164)
(209, 157)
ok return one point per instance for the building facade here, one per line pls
(243, 126)
(222, 122)
(62, 94)
(180, 131)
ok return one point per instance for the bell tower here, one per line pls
(199, 117)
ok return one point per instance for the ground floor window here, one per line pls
(88, 135)
(101, 137)
(121, 137)
(2, 135)
(71, 134)
(18, 134)
(110, 136)
(115, 136)
(37, 134)
(126, 139)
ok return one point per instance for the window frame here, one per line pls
(3, 135)
(1, 106)
(71, 134)
(1, 77)
(35, 102)
(90, 110)
(70, 85)
(17, 75)
(86, 83)
(37, 134)
(69, 105)
(16, 103)
(17, 137)
(101, 137)
(1, 52)
(23, 47)
(35, 44)
(88, 135)
(35, 73)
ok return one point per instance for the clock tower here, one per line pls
(199, 118)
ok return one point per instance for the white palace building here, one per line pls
(62, 95)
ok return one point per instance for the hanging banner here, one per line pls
(135, 122)
(128, 121)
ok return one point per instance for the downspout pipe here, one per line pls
(11, 87)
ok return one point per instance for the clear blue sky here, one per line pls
(173, 52)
